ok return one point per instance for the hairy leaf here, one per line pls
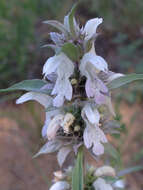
(57, 25)
(69, 20)
(34, 85)
(124, 80)
(71, 51)
(49, 147)
(129, 170)
(53, 47)
(111, 151)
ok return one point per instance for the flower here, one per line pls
(63, 67)
(54, 125)
(105, 171)
(60, 120)
(101, 184)
(93, 135)
(43, 99)
(92, 64)
(90, 27)
(60, 185)
(107, 77)
(49, 116)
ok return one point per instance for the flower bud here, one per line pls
(59, 175)
(73, 81)
(67, 122)
(77, 128)
(105, 171)
(54, 125)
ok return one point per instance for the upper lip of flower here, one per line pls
(90, 27)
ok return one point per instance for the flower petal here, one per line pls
(94, 136)
(60, 185)
(86, 137)
(51, 65)
(54, 125)
(92, 64)
(49, 116)
(43, 99)
(91, 26)
(62, 154)
(90, 91)
(98, 148)
(92, 115)
(58, 100)
(101, 184)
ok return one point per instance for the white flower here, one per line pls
(97, 90)
(63, 67)
(43, 99)
(54, 120)
(92, 64)
(120, 184)
(90, 27)
(67, 122)
(62, 154)
(93, 136)
(100, 184)
(49, 117)
(60, 185)
(54, 125)
(46, 101)
(59, 175)
(90, 115)
(105, 171)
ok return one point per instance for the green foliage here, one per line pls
(129, 170)
(71, 51)
(34, 85)
(69, 20)
(124, 80)
(77, 176)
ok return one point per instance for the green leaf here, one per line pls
(69, 20)
(57, 25)
(77, 175)
(71, 51)
(53, 47)
(111, 151)
(129, 170)
(124, 80)
(34, 85)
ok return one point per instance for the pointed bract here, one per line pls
(62, 154)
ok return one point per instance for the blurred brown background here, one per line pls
(21, 57)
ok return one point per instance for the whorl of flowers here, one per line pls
(101, 178)
(78, 99)
(76, 94)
